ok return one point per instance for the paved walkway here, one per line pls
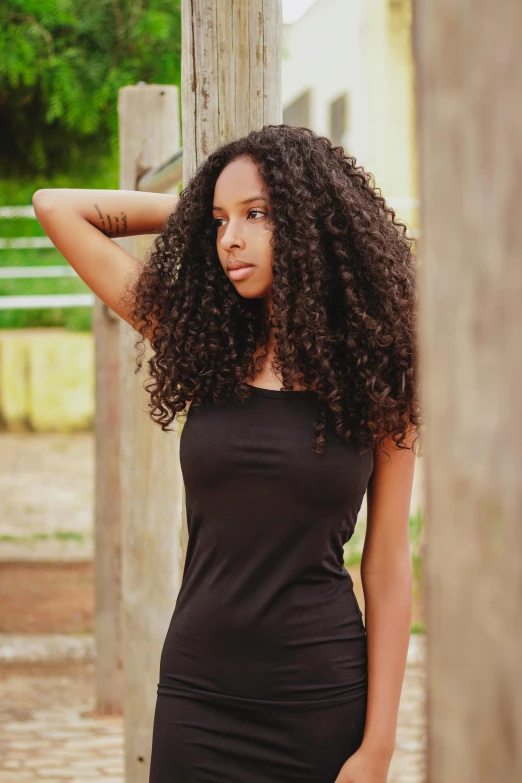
(48, 731)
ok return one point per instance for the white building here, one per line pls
(347, 73)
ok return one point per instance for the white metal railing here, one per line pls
(25, 243)
(30, 302)
(46, 300)
(14, 272)
(17, 212)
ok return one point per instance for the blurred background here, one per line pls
(347, 73)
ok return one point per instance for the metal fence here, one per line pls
(19, 272)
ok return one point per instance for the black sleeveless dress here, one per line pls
(263, 673)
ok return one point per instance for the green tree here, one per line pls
(62, 63)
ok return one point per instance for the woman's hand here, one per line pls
(364, 767)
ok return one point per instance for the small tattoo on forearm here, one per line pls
(120, 229)
(98, 210)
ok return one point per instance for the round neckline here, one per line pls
(278, 392)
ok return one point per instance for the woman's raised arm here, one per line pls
(81, 224)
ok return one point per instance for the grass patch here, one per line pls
(353, 559)
(56, 535)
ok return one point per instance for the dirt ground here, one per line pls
(46, 598)
(46, 485)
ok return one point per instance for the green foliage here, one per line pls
(57, 535)
(62, 64)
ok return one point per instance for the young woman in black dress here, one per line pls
(279, 301)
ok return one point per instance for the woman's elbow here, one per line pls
(43, 200)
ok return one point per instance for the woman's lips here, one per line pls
(241, 273)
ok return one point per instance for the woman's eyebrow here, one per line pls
(246, 201)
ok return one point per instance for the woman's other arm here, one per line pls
(387, 578)
(81, 224)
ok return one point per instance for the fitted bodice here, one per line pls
(266, 607)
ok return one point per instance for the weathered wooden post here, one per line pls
(150, 475)
(469, 73)
(231, 78)
(107, 517)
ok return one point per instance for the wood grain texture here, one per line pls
(231, 82)
(469, 85)
(107, 512)
(151, 482)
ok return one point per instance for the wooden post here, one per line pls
(107, 518)
(469, 73)
(231, 79)
(150, 473)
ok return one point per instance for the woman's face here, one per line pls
(243, 228)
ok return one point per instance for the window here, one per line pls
(339, 121)
(298, 113)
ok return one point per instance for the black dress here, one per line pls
(263, 673)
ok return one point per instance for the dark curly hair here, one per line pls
(343, 295)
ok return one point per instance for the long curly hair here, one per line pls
(343, 295)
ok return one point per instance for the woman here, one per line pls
(279, 303)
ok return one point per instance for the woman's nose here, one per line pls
(232, 237)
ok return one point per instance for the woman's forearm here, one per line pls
(388, 606)
(117, 213)
(82, 224)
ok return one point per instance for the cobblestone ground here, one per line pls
(48, 731)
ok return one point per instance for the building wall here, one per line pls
(323, 52)
(362, 48)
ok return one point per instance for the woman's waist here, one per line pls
(299, 604)
(179, 686)
(320, 669)
(300, 657)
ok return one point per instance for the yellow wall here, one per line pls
(46, 380)
(391, 141)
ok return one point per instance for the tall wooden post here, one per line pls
(469, 74)
(231, 78)
(150, 474)
(107, 518)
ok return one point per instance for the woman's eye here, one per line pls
(217, 223)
